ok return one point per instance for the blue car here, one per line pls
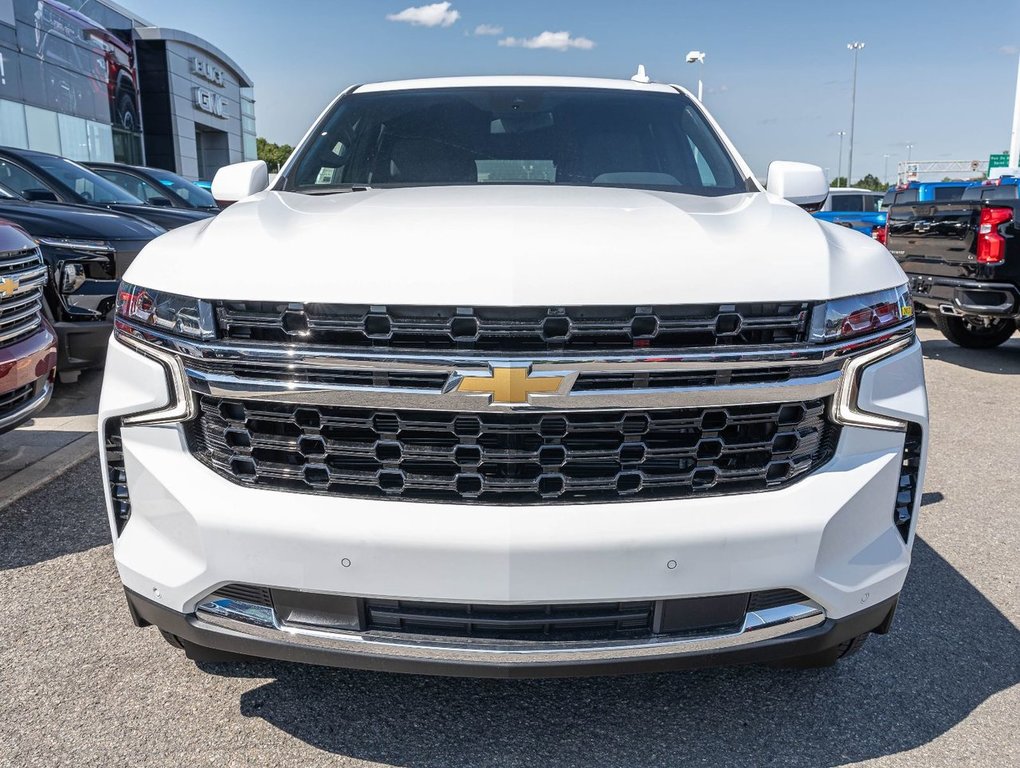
(859, 209)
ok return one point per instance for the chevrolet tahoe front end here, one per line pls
(532, 387)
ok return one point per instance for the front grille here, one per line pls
(582, 621)
(21, 312)
(906, 492)
(510, 330)
(15, 399)
(512, 458)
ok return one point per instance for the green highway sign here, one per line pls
(998, 161)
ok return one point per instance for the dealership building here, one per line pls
(93, 81)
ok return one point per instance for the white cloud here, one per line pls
(435, 15)
(488, 29)
(1009, 50)
(555, 41)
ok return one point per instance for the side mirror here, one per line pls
(40, 196)
(240, 180)
(800, 183)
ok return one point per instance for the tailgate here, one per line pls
(935, 238)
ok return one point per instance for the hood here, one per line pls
(168, 218)
(80, 221)
(514, 245)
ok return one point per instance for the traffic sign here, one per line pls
(998, 161)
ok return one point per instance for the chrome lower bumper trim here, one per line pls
(260, 622)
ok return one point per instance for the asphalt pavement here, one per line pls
(79, 685)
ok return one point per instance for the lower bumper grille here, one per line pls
(512, 458)
(544, 622)
(13, 400)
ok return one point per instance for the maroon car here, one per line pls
(28, 347)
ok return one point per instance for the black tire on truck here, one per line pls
(974, 334)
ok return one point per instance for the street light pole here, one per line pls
(839, 166)
(854, 48)
(698, 57)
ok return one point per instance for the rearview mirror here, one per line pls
(40, 196)
(240, 180)
(800, 183)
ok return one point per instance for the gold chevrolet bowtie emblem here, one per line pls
(509, 385)
(8, 285)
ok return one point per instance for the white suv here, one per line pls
(514, 377)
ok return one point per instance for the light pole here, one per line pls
(909, 147)
(855, 48)
(698, 57)
(839, 172)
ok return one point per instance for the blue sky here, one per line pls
(937, 74)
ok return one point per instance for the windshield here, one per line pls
(88, 185)
(574, 136)
(194, 195)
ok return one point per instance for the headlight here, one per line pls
(86, 246)
(168, 312)
(853, 316)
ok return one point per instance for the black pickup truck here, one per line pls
(963, 262)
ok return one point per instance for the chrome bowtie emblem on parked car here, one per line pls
(8, 286)
(507, 385)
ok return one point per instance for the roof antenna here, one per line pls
(641, 77)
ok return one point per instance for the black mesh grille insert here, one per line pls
(515, 329)
(906, 493)
(116, 476)
(584, 621)
(512, 458)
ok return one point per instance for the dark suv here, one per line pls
(42, 177)
(156, 186)
(85, 251)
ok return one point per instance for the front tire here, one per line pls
(973, 334)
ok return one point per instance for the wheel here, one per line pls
(126, 111)
(825, 658)
(973, 333)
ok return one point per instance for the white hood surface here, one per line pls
(514, 245)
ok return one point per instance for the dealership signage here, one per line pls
(207, 71)
(210, 102)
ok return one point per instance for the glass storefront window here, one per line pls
(100, 142)
(248, 124)
(250, 147)
(13, 132)
(43, 131)
(74, 137)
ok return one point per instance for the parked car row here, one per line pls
(67, 233)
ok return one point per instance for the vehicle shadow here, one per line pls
(1003, 360)
(949, 651)
(65, 516)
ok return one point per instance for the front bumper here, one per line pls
(830, 536)
(82, 344)
(29, 366)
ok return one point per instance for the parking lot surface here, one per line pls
(80, 686)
